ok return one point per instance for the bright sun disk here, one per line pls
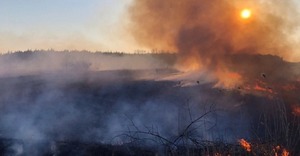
(246, 13)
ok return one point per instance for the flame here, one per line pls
(284, 152)
(262, 89)
(277, 150)
(260, 86)
(245, 145)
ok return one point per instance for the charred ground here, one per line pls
(77, 109)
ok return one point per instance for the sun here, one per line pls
(246, 13)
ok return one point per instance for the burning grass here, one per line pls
(263, 149)
(246, 145)
(154, 106)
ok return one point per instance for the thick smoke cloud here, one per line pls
(215, 44)
(211, 35)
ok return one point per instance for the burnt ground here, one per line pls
(67, 114)
(71, 148)
(68, 107)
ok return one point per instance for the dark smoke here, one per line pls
(249, 55)
(212, 33)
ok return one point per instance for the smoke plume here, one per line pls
(211, 35)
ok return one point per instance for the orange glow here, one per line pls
(285, 153)
(190, 64)
(246, 13)
(234, 76)
(280, 151)
(296, 110)
(245, 145)
(262, 89)
(259, 88)
(228, 79)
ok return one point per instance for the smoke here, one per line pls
(211, 35)
(48, 97)
(68, 96)
(253, 56)
(88, 97)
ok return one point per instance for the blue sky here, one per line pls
(62, 24)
